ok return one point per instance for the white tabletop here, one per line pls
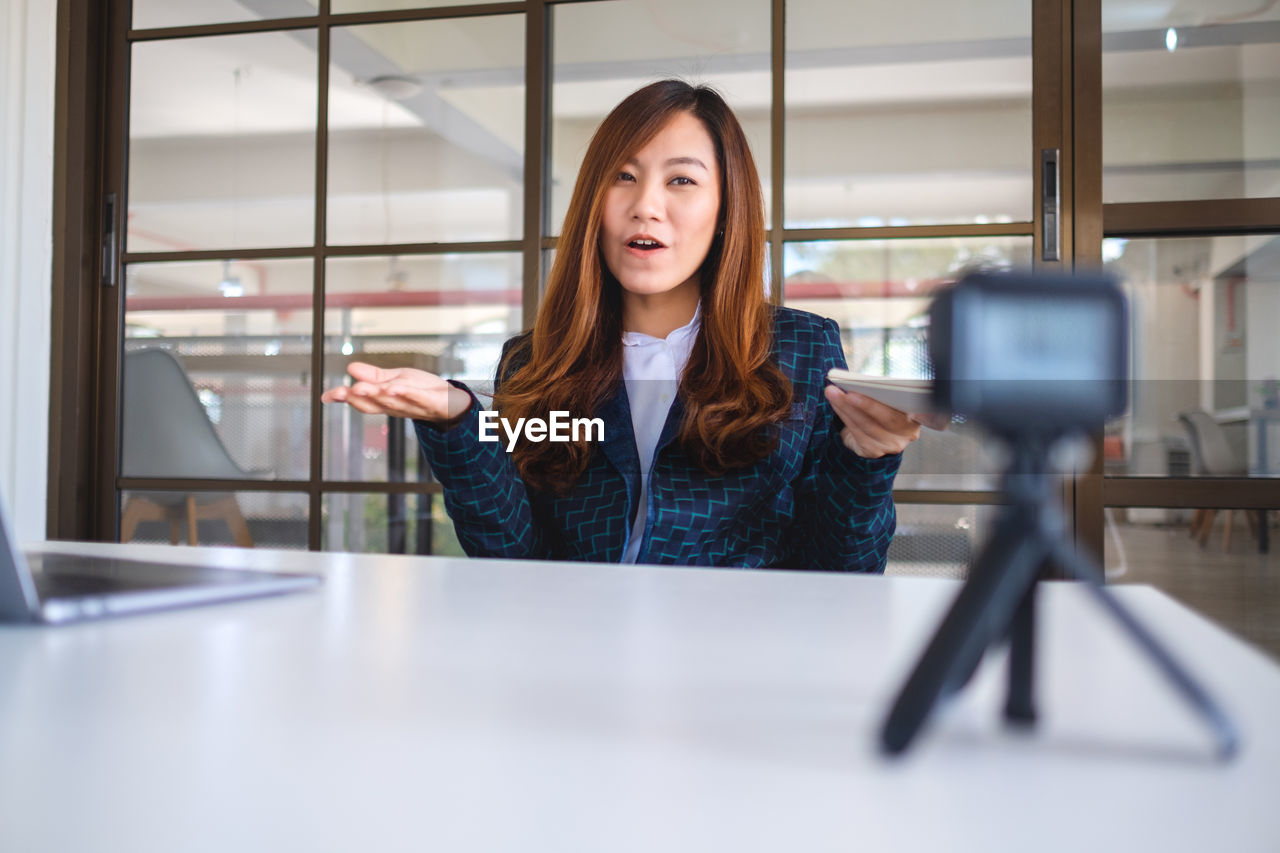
(437, 704)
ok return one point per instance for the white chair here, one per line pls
(167, 433)
(1212, 456)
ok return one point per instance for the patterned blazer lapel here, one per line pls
(671, 428)
(619, 445)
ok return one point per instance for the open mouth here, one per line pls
(645, 244)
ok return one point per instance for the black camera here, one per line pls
(1031, 354)
(1030, 358)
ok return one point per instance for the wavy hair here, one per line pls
(733, 392)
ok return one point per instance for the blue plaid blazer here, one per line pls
(811, 504)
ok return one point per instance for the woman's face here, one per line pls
(661, 211)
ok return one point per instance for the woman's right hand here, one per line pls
(401, 392)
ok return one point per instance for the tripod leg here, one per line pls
(1192, 692)
(1020, 706)
(979, 616)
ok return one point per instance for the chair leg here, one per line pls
(1206, 526)
(193, 521)
(1196, 520)
(174, 515)
(136, 511)
(228, 509)
(1257, 528)
(1226, 530)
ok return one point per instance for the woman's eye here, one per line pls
(683, 182)
(626, 176)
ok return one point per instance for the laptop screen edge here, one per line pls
(18, 599)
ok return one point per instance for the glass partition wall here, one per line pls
(1190, 125)
(308, 192)
(308, 183)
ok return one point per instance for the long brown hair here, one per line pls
(732, 391)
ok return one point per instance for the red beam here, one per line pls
(510, 296)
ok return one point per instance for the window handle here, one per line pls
(1050, 205)
(110, 256)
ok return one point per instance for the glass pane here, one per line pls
(388, 524)
(936, 540)
(1190, 100)
(185, 13)
(222, 142)
(344, 6)
(768, 269)
(908, 113)
(426, 131)
(879, 292)
(234, 336)
(1205, 396)
(1235, 580)
(247, 519)
(446, 314)
(605, 51)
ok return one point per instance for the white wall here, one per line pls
(27, 64)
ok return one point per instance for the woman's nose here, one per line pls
(647, 202)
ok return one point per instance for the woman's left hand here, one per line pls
(872, 429)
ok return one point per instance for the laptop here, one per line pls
(57, 588)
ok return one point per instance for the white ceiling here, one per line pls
(919, 57)
(838, 52)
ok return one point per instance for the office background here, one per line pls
(418, 202)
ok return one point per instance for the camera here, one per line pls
(1031, 354)
(1031, 358)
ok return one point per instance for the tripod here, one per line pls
(998, 600)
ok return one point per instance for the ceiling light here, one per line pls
(1170, 39)
(397, 279)
(230, 284)
(395, 87)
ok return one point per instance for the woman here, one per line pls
(718, 446)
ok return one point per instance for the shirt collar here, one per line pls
(688, 330)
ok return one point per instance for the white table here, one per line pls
(430, 704)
